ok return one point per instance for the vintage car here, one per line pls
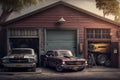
(63, 59)
(20, 58)
(99, 48)
(101, 53)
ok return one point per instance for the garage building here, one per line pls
(61, 26)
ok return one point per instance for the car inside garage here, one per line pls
(24, 38)
(25, 43)
(99, 53)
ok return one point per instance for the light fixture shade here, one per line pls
(61, 20)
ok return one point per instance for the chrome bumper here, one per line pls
(73, 66)
(19, 65)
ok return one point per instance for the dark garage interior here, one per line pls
(25, 43)
(99, 53)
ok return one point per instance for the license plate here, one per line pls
(76, 67)
(18, 65)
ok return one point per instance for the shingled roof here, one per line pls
(58, 3)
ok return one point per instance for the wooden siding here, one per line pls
(42, 46)
(74, 19)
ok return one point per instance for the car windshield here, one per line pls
(65, 53)
(21, 52)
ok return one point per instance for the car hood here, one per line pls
(72, 58)
(19, 56)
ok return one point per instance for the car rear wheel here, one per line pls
(59, 68)
(101, 59)
(108, 63)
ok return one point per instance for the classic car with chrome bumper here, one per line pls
(20, 58)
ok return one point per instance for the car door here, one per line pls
(50, 60)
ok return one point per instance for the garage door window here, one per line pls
(23, 32)
(98, 33)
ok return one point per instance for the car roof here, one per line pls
(60, 50)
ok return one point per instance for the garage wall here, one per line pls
(115, 54)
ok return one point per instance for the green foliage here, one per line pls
(108, 6)
(9, 6)
(16, 5)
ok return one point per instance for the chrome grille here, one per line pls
(75, 62)
(18, 60)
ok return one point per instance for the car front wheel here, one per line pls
(33, 69)
(81, 69)
(59, 68)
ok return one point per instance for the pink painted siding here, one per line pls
(49, 17)
(74, 19)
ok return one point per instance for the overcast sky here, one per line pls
(88, 5)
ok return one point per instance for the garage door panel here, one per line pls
(61, 39)
(60, 35)
(61, 44)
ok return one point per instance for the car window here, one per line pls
(65, 53)
(55, 53)
(21, 52)
(50, 53)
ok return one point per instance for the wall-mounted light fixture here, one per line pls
(61, 20)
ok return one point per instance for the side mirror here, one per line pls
(46, 55)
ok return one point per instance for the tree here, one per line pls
(9, 6)
(109, 7)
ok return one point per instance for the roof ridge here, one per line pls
(57, 3)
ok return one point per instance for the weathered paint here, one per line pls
(74, 20)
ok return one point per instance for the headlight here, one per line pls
(31, 60)
(26, 56)
(5, 60)
(63, 62)
(86, 63)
